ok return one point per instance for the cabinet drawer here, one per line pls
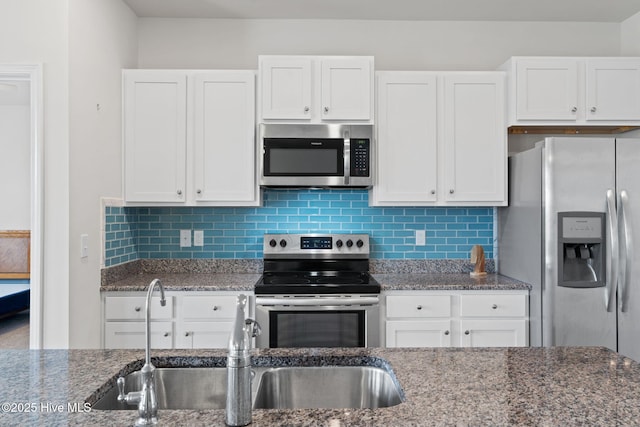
(133, 335)
(133, 308)
(418, 306)
(209, 307)
(493, 305)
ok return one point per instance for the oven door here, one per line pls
(318, 321)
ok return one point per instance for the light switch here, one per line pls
(421, 238)
(198, 238)
(84, 245)
(185, 238)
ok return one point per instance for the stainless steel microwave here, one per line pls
(316, 155)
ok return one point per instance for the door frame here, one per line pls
(32, 73)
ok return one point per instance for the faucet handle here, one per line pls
(121, 396)
(254, 330)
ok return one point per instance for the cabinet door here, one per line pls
(203, 334)
(407, 139)
(285, 88)
(154, 136)
(420, 333)
(547, 89)
(613, 89)
(133, 335)
(346, 89)
(224, 120)
(475, 140)
(493, 333)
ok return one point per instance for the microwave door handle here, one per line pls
(347, 157)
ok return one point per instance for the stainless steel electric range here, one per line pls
(316, 291)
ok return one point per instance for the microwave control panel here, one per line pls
(360, 155)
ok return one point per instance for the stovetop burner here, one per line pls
(316, 264)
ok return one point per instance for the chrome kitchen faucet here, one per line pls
(238, 407)
(145, 398)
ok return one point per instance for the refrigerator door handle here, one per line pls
(614, 251)
(625, 259)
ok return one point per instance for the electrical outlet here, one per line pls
(185, 238)
(198, 238)
(421, 238)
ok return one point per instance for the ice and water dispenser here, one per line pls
(581, 249)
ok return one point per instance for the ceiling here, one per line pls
(428, 10)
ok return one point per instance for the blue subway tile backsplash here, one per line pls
(139, 232)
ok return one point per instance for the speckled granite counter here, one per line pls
(447, 281)
(186, 282)
(493, 387)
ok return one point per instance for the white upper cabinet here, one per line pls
(286, 88)
(224, 137)
(155, 136)
(613, 89)
(442, 139)
(475, 140)
(316, 89)
(407, 138)
(547, 89)
(557, 91)
(189, 138)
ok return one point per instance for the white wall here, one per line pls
(102, 42)
(35, 31)
(630, 36)
(15, 172)
(409, 45)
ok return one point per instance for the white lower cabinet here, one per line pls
(189, 319)
(456, 319)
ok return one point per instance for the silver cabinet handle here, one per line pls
(494, 306)
(306, 109)
(467, 332)
(614, 252)
(216, 308)
(186, 334)
(451, 191)
(179, 192)
(419, 307)
(574, 109)
(166, 334)
(326, 110)
(137, 309)
(593, 109)
(199, 191)
(625, 259)
(433, 191)
(446, 332)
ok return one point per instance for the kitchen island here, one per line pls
(496, 387)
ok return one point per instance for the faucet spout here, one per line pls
(163, 302)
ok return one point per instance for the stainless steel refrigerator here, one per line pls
(569, 230)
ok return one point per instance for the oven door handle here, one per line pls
(320, 302)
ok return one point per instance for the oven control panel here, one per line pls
(303, 245)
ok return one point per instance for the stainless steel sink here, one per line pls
(176, 388)
(327, 387)
(287, 387)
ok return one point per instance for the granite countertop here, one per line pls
(186, 282)
(498, 387)
(246, 282)
(448, 281)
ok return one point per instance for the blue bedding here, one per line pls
(14, 297)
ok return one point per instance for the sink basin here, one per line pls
(286, 387)
(176, 388)
(327, 387)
